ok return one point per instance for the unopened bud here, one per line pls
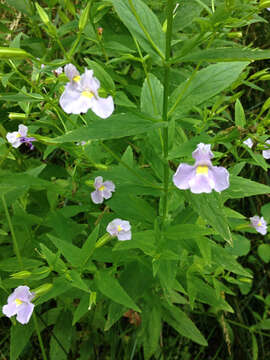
(265, 77)
(100, 31)
(264, 4)
(21, 275)
(92, 299)
(17, 116)
(235, 34)
(42, 13)
(42, 289)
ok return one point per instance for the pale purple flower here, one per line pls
(80, 143)
(103, 190)
(119, 228)
(58, 71)
(259, 224)
(81, 94)
(16, 138)
(266, 153)
(248, 142)
(203, 177)
(19, 303)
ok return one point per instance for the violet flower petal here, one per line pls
(97, 197)
(98, 182)
(183, 175)
(71, 71)
(103, 107)
(201, 183)
(124, 235)
(24, 313)
(221, 178)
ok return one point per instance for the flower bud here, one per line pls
(92, 299)
(42, 13)
(21, 275)
(264, 4)
(17, 116)
(42, 289)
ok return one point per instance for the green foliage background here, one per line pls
(192, 282)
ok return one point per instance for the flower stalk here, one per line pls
(165, 131)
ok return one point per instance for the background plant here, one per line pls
(180, 73)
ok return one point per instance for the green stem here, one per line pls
(165, 131)
(15, 244)
(39, 338)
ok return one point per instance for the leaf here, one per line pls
(241, 187)
(110, 287)
(254, 347)
(205, 84)
(226, 54)
(13, 53)
(264, 252)
(210, 208)
(241, 246)
(143, 25)
(187, 231)
(81, 309)
(19, 337)
(182, 324)
(240, 118)
(63, 332)
(264, 325)
(132, 207)
(77, 281)
(104, 78)
(21, 97)
(71, 252)
(117, 126)
(60, 286)
(121, 99)
(152, 96)
(186, 12)
(89, 246)
(21, 5)
(115, 312)
(153, 323)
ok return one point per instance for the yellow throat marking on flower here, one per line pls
(88, 94)
(259, 223)
(101, 188)
(202, 170)
(119, 228)
(76, 78)
(18, 302)
(18, 135)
